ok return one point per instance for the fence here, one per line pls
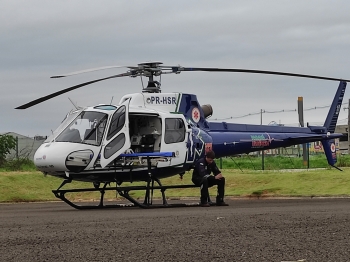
(26, 147)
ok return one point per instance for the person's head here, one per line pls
(210, 156)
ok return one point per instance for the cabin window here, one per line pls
(174, 130)
(117, 122)
(114, 146)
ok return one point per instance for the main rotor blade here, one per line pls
(87, 71)
(44, 98)
(237, 70)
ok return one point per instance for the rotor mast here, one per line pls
(149, 69)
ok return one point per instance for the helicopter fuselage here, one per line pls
(152, 135)
(88, 144)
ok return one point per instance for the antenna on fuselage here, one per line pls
(143, 87)
(76, 106)
(54, 139)
(111, 100)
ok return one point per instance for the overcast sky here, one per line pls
(39, 39)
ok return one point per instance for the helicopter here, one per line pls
(152, 135)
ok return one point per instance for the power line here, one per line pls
(274, 112)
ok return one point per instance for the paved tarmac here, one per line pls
(247, 230)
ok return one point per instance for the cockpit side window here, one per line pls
(174, 130)
(117, 122)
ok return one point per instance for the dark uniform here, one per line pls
(201, 177)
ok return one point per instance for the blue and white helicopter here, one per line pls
(152, 135)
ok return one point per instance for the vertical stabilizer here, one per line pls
(333, 113)
(330, 151)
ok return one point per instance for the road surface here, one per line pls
(247, 230)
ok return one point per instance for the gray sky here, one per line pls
(39, 39)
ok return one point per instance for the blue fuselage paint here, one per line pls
(228, 139)
(233, 143)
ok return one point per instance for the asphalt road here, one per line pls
(247, 230)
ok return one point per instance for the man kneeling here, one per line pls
(201, 177)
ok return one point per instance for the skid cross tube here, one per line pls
(124, 192)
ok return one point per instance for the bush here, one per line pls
(7, 143)
(22, 164)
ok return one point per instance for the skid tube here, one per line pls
(124, 192)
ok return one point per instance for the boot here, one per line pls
(220, 202)
(205, 202)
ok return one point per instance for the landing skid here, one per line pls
(124, 192)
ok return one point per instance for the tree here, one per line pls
(7, 143)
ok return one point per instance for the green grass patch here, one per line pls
(33, 186)
(22, 164)
(279, 162)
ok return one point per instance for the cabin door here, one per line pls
(174, 140)
(117, 139)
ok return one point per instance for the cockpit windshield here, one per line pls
(87, 128)
(69, 117)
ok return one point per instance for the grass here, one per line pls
(242, 162)
(33, 186)
(280, 162)
(23, 164)
(244, 178)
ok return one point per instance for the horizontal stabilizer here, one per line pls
(314, 137)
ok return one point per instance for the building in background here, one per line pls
(343, 141)
(26, 146)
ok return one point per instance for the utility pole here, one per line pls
(301, 122)
(262, 152)
(348, 127)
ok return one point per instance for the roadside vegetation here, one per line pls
(280, 162)
(21, 182)
(24, 186)
(22, 164)
(244, 162)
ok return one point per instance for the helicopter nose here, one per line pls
(40, 159)
(59, 157)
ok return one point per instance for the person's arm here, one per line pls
(216, 171)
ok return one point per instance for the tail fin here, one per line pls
(330, 151)
(330, 124)
(333, 113)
